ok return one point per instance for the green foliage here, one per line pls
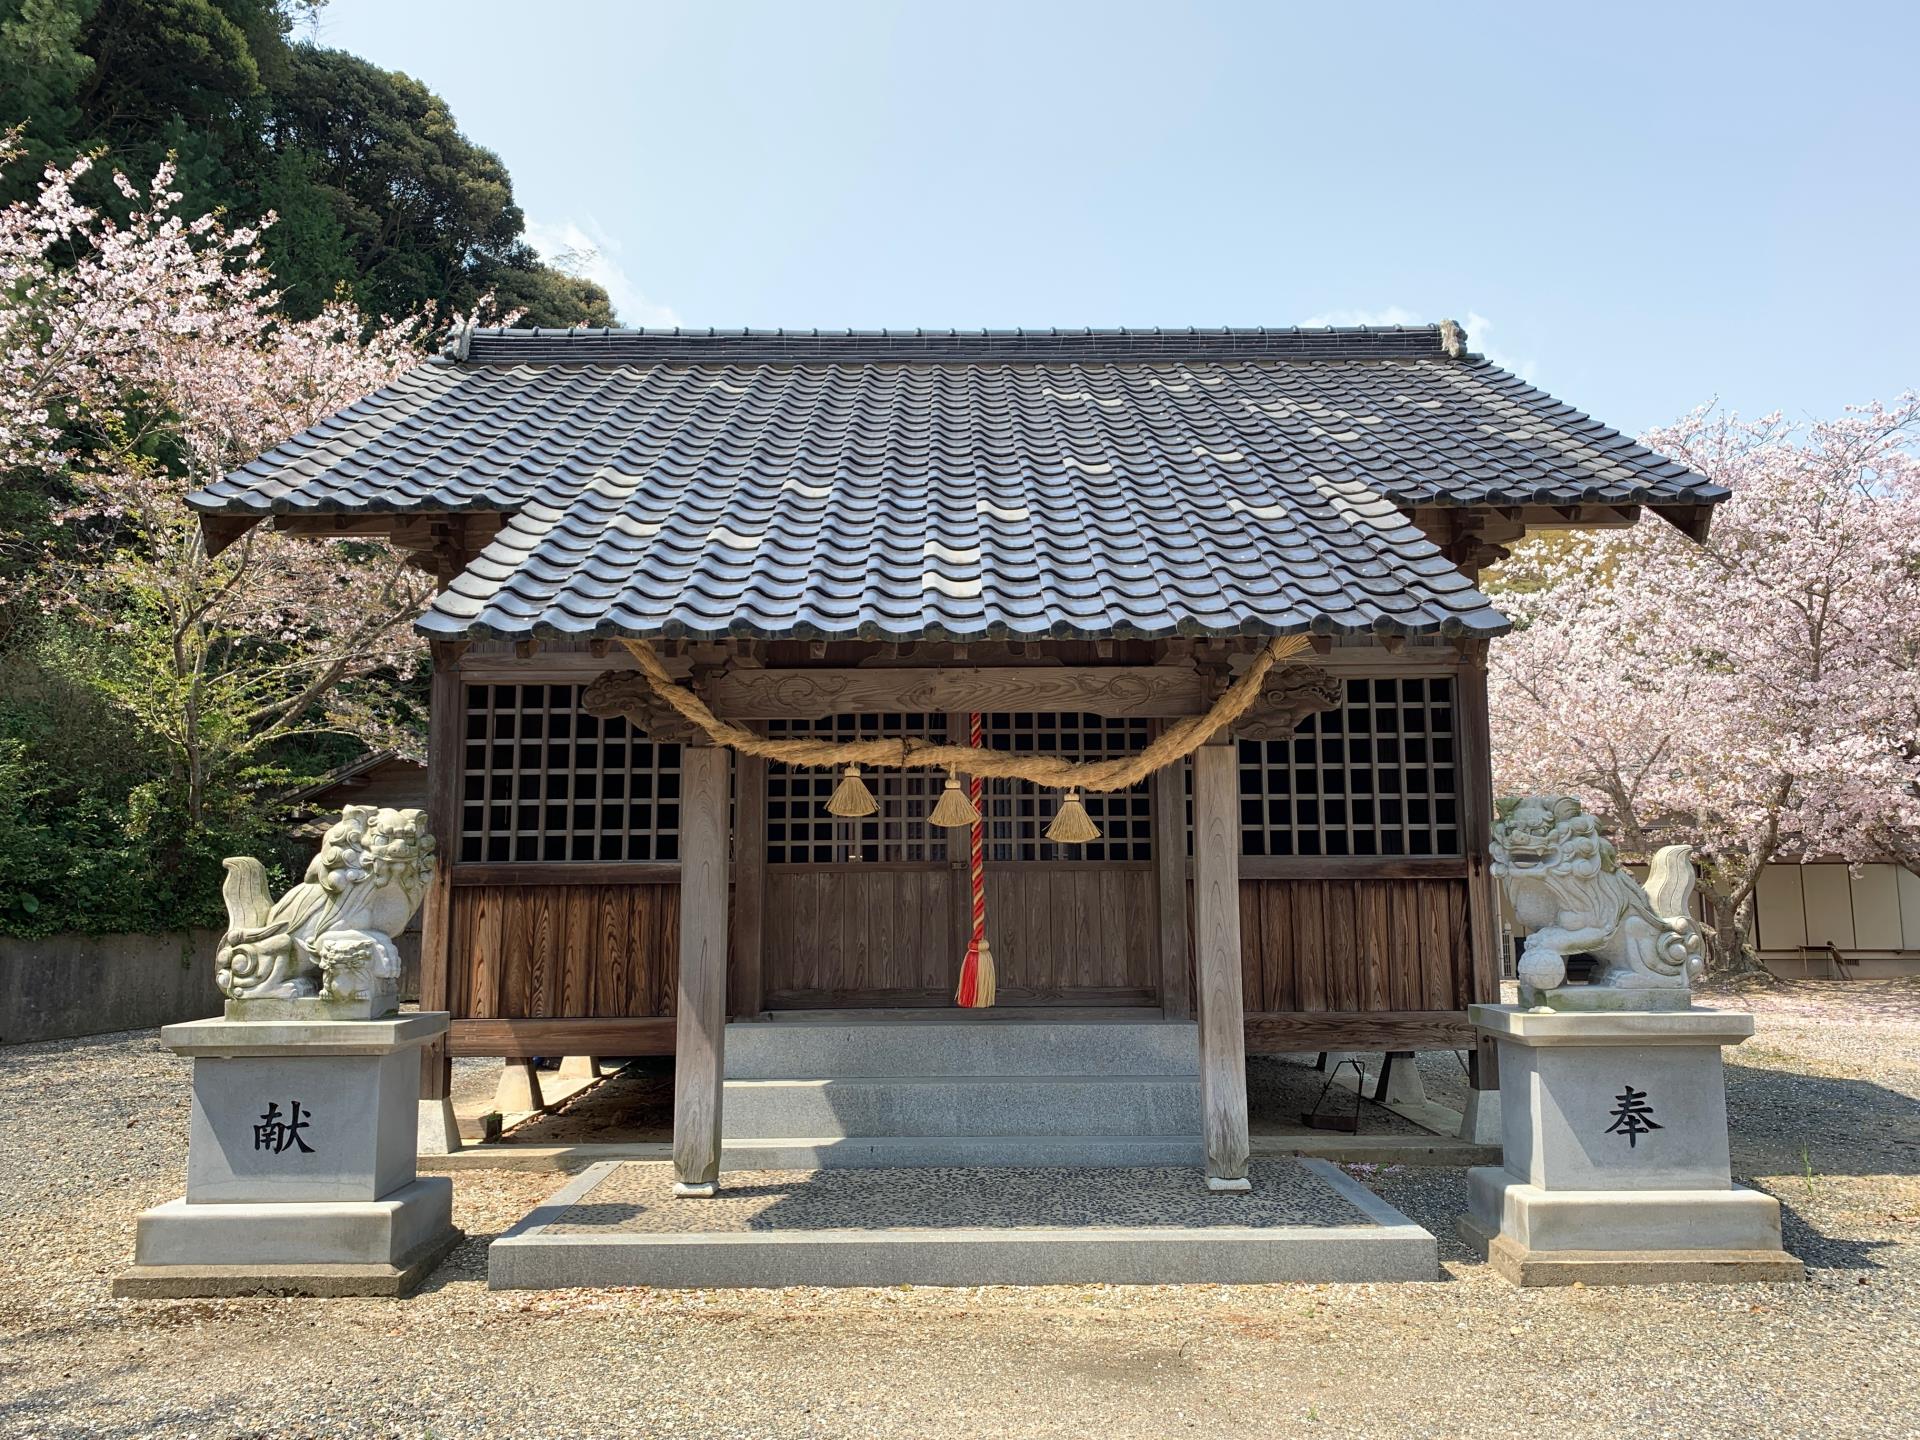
(90, 840)
(374, 184)
(143, 738)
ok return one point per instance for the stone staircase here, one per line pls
(811, 1093)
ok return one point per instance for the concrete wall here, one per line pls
(88, 984)
(69, 985)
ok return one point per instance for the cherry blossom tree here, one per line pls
(142, 361)
(1756, 697)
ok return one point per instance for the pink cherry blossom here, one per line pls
(1758, 696)
(143, 360)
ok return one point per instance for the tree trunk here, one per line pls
(1730, 949)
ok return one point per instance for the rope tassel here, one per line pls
(1071, 823)
(851, 797)
(976, 970)
(955, 809)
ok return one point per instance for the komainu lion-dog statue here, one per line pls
(1569, 892)
(327, 947)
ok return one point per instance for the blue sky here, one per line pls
(1641, 208)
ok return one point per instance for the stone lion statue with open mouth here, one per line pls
(1570, 893)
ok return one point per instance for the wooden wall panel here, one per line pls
(564, 951)
(893, 935)
(853, 935)
(1399, 946)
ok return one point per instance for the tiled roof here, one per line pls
(896, 484)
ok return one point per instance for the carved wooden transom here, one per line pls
(627, 694)
(1290, 694)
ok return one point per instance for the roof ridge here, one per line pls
(599, 344)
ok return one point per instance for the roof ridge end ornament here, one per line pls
(460, 338)
(1453, 339)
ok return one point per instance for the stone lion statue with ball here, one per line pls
(326, 947)
(1570, 894)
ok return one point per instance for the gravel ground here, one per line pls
(638, 1199)
(1826, 1115)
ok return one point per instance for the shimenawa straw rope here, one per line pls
(1170, 746)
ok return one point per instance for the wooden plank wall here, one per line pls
(855, 934)
(1071, 933)
(893, 935)
(590, 950)
(1357, 947)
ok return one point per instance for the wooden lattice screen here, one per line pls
(1375, 777)
(545, 781)
(801, 832)
(1018, 813)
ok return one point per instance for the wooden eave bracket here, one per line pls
(1693, 521)
(220, 531)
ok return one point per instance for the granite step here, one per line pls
(921, 1105)
(1303, 1220)
(808, 1049)
(903, 1152)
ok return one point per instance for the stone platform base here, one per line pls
(621, 1224)
(330, 1247)
(222, 1282)
(1515, 1263)
(1533, 1236)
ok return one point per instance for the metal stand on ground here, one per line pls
(1346, 1124)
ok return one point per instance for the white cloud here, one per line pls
(1477, 326)
(1392, 315)
(584, 249)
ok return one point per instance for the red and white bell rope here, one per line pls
(976, 971)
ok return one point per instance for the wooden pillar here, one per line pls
(747, 989)
(1169, 803)
(1476, 831)
(1216, 951)
(700, 1029)
(445, 761)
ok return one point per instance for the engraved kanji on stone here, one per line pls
(1632, 1116)
(276, 1134)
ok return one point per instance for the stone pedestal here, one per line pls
(1614, 1127)
(300, 1164)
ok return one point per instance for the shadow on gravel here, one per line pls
(465, 1264)
(1783, 1122)
(109, 1400)
(1434, 1198)
(1818, 1250)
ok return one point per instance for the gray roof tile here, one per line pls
(892, 484)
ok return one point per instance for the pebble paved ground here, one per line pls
(1826, 1115)
(639, 1200)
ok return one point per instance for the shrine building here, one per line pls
(671, 564)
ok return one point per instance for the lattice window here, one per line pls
(545, 781)
(801, 832)
(1018, 813)
(1375, 777)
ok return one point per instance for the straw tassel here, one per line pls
(976, 978)
(955, 810)
(1071, 823)
(851, 797)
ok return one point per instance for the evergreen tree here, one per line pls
(374, 184)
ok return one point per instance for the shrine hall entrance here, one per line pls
(874, 912)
